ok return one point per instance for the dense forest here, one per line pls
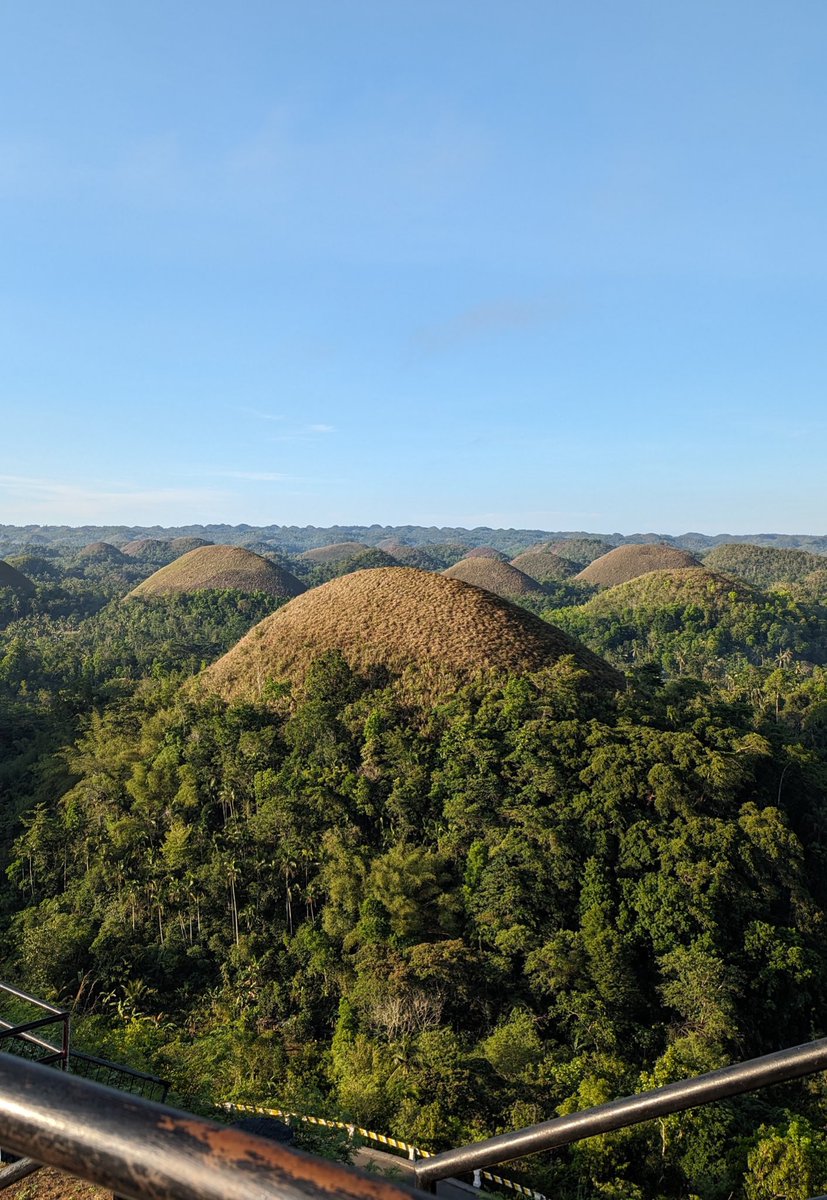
(442, 908)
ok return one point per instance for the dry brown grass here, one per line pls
(336, 552)
(10, 577)
(542, 564)
(665, 589)
(486, 552)
(181, 545)
(627, 562)
(397, 617)
(220, 567)
(101, 551)
(495, 576)
(48, 1184)
(144, 547)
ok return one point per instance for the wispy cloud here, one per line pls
(257, 476)
(53, 500)
(321, 428)
(261, 416)
(487, 320)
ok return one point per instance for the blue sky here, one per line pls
(547, 264)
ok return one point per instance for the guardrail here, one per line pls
(139, 1149)
(24, 1031)
(780, 1067)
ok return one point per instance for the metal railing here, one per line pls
(20, 1039)
(24, 1032)
(780, 1067)
(139, 1149)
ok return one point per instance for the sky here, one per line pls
(554, 264)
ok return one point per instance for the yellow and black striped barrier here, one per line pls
(380, 1139)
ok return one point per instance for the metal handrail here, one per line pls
(23, 1031)
(139, 1149)
(780, 1067)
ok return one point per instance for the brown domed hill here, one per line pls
(486, 552)
(666, 589)
(336, 552)
(409, 556)
(397, 617)
(627, 562)
(181, 545)
(145, 548)
(101, 552)
(580, 550)
(495, 576)
(218, 567)
(542, 564)
(763, 565)
(10, 577)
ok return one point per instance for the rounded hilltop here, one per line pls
(397, 617)
(11, 578)
(219, 567)
(764, 565)
(654, 590)
(627, 562)
(182, 545)
(334, 553)
(145, 548)
(486, 552)
(495, 576)
(100, 552)
(542, 564)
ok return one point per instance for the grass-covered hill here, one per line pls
(15, 580)
(542, 564)
(486, 552)
(495, 576)
(763, 565)
(627, 562)
(220, 568)
(397, 617)
(698, 622)
(337, 552)
(181, 545)
(100, 552)
(580, 550)
(147, 548)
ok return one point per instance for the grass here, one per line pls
(144, 548)
(486, 552)
(664, 589)
(220, 567)
(397, 617)
(627, 562)
(495, 576)
(336, 552)
(764, 565)
(542, 564)
(102, 551)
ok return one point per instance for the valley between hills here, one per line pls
(442, 832)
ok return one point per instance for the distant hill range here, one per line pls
(295, 540)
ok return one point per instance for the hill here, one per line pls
(763, 565)
(657, 590)
(542, 564)
(580, 550)
(101, 552)
(396, 617)
(181, 545)
(627, 562)
(486, 552)
(696, 621)
(409, 556)
(220, 567)
(146, 548)
(334, 553)
(495, 576)
(11, 578)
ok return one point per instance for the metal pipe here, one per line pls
(13, 991)
(7, 1030)
(779, 1067)
(146, 1151)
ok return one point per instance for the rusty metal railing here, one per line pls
(141, 1150)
